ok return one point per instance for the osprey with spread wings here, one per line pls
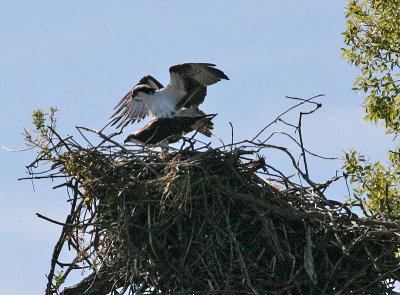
(187, 88)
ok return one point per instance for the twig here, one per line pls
(303, 101)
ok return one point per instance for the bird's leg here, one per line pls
(164, 154)
(190, 141)
(164, 150)
(184, 140)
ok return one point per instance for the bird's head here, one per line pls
(142, 88)
(131, 138)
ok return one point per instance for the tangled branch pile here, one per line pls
(209, 221)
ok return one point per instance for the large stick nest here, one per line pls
(209, 221)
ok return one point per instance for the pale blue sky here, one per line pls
(83, 56)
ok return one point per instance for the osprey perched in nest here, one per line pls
(187, 88)
(163, 131)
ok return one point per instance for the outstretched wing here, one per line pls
(195, 77)
(151, 82)
(131, 109)
(203, 73)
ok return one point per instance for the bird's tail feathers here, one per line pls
(205, 125)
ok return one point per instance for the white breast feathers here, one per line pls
(163, 102)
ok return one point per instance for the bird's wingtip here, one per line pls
(211, 115)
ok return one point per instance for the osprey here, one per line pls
(163, 131)
(187, 88)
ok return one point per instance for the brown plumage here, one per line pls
(161, 131)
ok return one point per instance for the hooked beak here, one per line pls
(128, 139)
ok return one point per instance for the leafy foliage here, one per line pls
(373, 40)
(377, 182)
(43, 123)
